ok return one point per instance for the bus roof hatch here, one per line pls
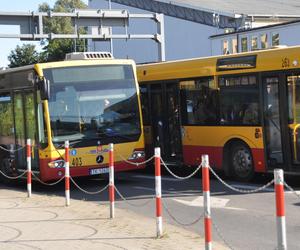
(88, 55)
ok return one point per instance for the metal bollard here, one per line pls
(29, 174)
(206, 200)
(280, 210)
(158, 192)
(111, 181)
(67, 173)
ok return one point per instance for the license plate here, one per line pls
(99, 171)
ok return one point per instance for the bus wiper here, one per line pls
(71, 143)
(111, 133)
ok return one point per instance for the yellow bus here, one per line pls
(90, 99)
(242, 110)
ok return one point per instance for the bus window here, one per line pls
(294, 114)
(6, 120)
(294, 98)
(199, 102)
(145, 104)
(239, 100)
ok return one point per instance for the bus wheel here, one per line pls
(242, 162)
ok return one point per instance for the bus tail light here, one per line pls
(57, 164)
(137, 155)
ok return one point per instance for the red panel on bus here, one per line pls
(192, 156)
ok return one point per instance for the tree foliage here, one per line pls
(56, 49)
(53, 50)
(24, 55)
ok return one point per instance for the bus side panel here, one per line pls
(192, 155)
(199, 140)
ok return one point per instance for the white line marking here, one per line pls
(152, 177)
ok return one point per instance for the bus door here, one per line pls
(165, 120)
(273, 129)
(173, 139)
(25, 127)
(293, 89)
(157, 117)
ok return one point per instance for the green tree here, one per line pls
(24, 55)
(56, 49)
(53, 50)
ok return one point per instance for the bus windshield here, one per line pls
(93, 102)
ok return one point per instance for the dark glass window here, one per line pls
(199, 101)
(145, 104)
(239, 100)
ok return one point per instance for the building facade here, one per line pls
(198, 28)
(284, 34)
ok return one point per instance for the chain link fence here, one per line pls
(46, 183)
(135, 163)
(13, 177)
(292, 190)
(179, 222)
(133, 204)
(180, 177)
(243, 191)
(12, 150)
(221, 236)
(88, 192)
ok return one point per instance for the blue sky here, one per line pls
(6, 44)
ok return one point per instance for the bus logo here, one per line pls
(73, 152)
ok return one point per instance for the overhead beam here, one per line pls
(98, 23)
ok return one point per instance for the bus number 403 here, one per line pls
(77, 161)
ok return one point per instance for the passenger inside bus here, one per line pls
(251, 114)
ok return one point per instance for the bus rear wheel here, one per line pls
(242, 162)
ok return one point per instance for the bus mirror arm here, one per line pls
(44, 87)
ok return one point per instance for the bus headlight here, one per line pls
(137, 155)
(57, 164)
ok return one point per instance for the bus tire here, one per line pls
(241, 162)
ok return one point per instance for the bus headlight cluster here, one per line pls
(57, 164)
(137, 155)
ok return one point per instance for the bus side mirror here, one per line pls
(44, 87)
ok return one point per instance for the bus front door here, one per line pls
(25, 127)
(166, 120)
(272, 121)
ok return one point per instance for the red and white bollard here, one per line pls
(111, 181)
(206, 199)
(158, 192)
(29, 174)
(280, 210)
(67, 173)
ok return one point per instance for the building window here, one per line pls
(275, 39)
(244, 44)
(225, 47)
(234, 45)
(264, 41)
(254, 43)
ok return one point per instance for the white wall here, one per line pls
(184, 39)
